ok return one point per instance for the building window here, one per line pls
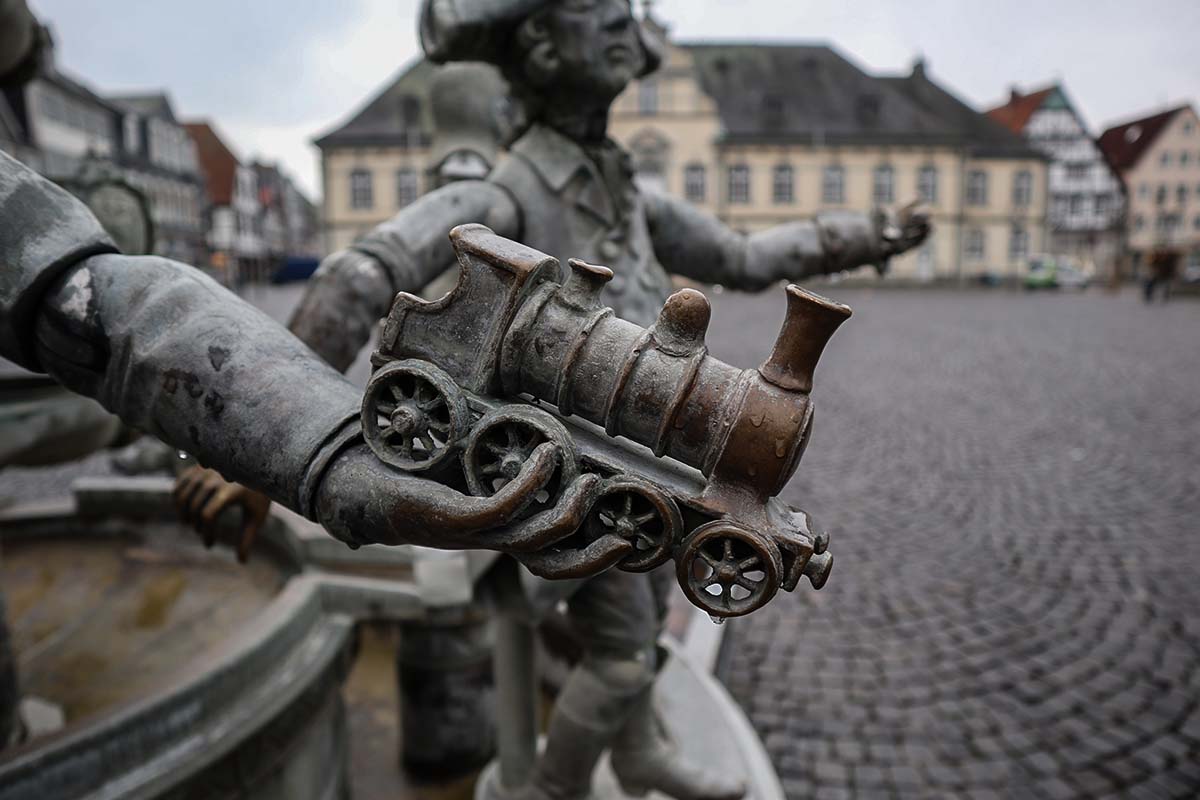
(1184, 158)
(773, 116)
(974, 244)
(410, 121)
(1161, 197)
(133, 134)
(407, 190)
(927, 184)
(1018, 244)
(1181, 194)
(695, 182)
(1023, 189)
(1076, 205)
(1166, 159)
(1139, 223)
(1144, 190)
(739, 184)
(1196, 223)
(362, 193)
(782, 184)
(977, 188)
(1078, 171)
(885, 185)
(648, 98)
(833, 185)
(1103, 205)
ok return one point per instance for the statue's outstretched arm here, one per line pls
(353, 288)
(172, 353)
(695, 244)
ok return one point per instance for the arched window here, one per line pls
(739, 184)
(695, 181)
(783, 184)
(885, 184)
(362, 193)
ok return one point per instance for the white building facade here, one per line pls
(1087, 199)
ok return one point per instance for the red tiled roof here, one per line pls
(1015, 114)
(217, 161)
(1123, 145)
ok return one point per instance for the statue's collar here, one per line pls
(557, 159)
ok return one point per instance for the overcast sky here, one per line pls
(274, 73)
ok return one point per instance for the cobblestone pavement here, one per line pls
(1013, 487)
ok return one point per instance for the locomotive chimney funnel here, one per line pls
(811, 320)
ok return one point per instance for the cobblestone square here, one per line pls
(1012, 483)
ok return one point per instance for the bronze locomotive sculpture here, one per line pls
(511, 329)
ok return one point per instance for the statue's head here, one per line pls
(584, 49)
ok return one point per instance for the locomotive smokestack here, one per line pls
(810, 322)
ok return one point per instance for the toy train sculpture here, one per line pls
(692, 451)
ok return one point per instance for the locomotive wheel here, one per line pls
(728, 570)
(504, 440)
(413, 415)
(638, 512)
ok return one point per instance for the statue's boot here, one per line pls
(592, 707)
(645, 758)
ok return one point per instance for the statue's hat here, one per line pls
(481, 30)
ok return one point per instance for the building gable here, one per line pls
(398, 115)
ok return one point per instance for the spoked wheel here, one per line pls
(641, 513)
(504, 440)
(728, 570)
(413, 415)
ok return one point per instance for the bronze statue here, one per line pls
(174, 355)
(567, 190)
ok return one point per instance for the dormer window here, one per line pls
(773, 111)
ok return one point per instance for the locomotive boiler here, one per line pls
(692, 452)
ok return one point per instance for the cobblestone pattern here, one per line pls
(1013, 487)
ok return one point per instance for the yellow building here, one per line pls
(1158, 157)
(760, 134)
(376, 162)
(757, 134)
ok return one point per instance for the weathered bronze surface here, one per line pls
(512, 329)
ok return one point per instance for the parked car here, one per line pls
(1056, 272)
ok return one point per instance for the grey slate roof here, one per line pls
(153, 104)
(810, 93)
(384, 119)
(765, 93)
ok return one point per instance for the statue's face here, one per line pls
(598, 44)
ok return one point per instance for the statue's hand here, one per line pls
(202, 496)
(906, 228)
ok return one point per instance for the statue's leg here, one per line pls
(645, 758)
(618, 619)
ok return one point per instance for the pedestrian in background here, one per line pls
(1163, 264)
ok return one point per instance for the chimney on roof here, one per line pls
(1013, 94)
(918, 68)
